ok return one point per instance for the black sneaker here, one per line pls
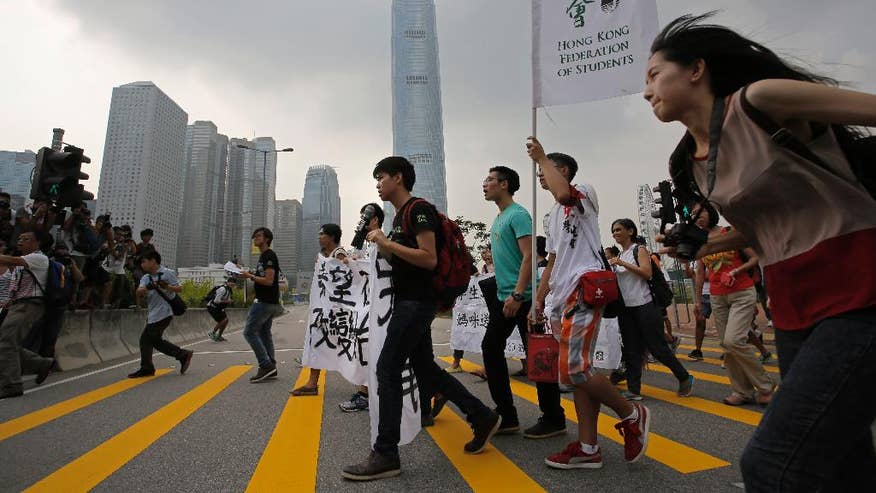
(426, 420)
(4, 394)
(142, 373)
(438, 405)
(695, 355)
(376, 466)
(185, 361)
(263, 374)
(44, 373)
(484, 429)
(545, 429)
(510, 425)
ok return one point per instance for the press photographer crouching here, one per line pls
(26, 304)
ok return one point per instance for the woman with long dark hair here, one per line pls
(641, 325)
(769, 145)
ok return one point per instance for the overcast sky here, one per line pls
(316, 76)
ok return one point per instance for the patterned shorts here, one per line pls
(576, 326)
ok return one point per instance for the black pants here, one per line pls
(499, 329)
(641, 329)
(409, 336)
(153, 337)
(45, 331)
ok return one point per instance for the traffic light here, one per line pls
(57, 174)
(666, 212)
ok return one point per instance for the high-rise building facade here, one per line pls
(265, 184)
(142, 175)
(321, 205)
(15, 172)
(200, 222)
(237, 183)
(287, 237)
(417, 124)
(216, 221)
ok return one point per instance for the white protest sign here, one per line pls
(584, 50)
(470, 318)
(337, 332)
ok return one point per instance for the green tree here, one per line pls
(475, 232)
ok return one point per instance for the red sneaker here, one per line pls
(635, 434)
(572, 457)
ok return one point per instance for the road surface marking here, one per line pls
(490, 470)
(93, 467)
(55, 411)
(289, 461)
(675, 455)
(700, 375)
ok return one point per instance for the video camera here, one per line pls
(685, 235)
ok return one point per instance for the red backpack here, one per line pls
(453, 272)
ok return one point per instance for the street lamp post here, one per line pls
(264, 169)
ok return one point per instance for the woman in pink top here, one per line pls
(795, 207)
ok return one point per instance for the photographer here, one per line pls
(145, 246)
(45, 331)
(796, 201)
(78, 232)
(97, 276)
(115, 291)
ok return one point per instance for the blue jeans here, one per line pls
(409, 335)
(815, 434)
(258, 332)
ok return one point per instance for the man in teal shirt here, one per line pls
(511, 241)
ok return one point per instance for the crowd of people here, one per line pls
(789, 212)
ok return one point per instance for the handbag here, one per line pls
(177, 305)
(599, 288)
(542, 358)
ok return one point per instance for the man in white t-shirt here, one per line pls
(216, 308)
(573, 241)
(25, 305)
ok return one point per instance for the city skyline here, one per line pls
(333, 104)
(321, 204)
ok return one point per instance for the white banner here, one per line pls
(584, 50)
(338, 326)
(381, 298)
(470, 318)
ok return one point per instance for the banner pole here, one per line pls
(534, 255)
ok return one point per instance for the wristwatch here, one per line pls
(517, 296)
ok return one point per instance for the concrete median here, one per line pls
(106, 334)
(74, 349)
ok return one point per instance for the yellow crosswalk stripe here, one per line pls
(490, 470)
(717, 362)
(675, 455)
(706, 349)
(719, 409)
(38, 418)
(700, 375)
(93, 467)
(290, 458)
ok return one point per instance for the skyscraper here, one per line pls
(417, 125)
(287, 237)
(15, 172)
(200, 226)
(321, 205)
(218, 251)
(142, 175)
(265, 184)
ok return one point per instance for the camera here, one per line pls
(685, 235)
(104, 219)
(64, 260)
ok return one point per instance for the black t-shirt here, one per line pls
(409, 281)
(268, 294)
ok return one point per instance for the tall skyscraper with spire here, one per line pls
(417, 123)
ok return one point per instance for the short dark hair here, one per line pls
(6, 194)
(613, 249)
(541, 246)
(714, 217)
(378, 213)
(507, 174)
(146, 232)
(565, 160)
(151, 255)
(394, 165)
(265, 232)
(332, 230)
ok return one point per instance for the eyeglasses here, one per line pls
(4, 205)
(491, 178)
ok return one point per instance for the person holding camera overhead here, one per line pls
(776, 150)
(641, 324)
(160, 314)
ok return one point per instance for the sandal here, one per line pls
(480, 372)
(301, 391)
(735, 399)
(453, 369)
(764, 398)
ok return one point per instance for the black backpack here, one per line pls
(59, 285)
(660, 290)
(209, 296)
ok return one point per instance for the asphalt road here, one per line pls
(211, 430)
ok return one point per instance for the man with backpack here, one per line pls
(160, 285)
(26, 304)
(420, 236)
(218, 299)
